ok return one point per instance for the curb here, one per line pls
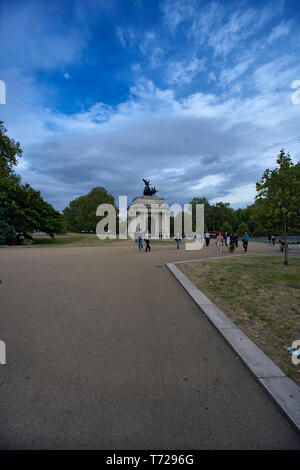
(283, 391)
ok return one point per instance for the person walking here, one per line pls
(236, 240)
(227, 241)
(147, 240)
(273, 239)
(207, 238)
(232, 243)
(219, 242)
(269, 239)
(245, 241)
(177, 239)
(140, 243)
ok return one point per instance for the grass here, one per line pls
(84, 239)
(252, 291)
(72, 239)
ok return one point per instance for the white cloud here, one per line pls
(183, 72)
(200, 145)
(126, 36)
(231, 74)
(239, 196)
(280, 30)
(209, 181)
(177, 11)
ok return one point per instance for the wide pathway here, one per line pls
(106, 350)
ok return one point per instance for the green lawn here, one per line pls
(84, 239)
(253, 292)
(72, 239)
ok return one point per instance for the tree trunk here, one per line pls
(285, 241)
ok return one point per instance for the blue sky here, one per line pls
(195, 95)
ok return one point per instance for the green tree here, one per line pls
(80, 215)
(10, 151)
(26, 211)
(23, 208)
(278, 197)
(242, 228)
(214, 214)
(7, 231)
(244, 215)
(226, 227)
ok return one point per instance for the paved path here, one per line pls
(106, 350)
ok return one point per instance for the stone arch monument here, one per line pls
(149, 215)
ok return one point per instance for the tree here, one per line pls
(7, 231)
(244, 216)
(243, 227)
(226, 227)
(80, 215)
(26, 211)
(278, 197)
(214, 214)
(23, 210)
(9, 152)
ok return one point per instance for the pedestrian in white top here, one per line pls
(219, 242)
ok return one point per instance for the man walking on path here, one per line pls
(140, 243)
(178, 241)
(207, 238)
(147, 240)
(236, 240)
(245, 241)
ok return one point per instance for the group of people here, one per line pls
(230, 241)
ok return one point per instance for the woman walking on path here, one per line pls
(219, 242)
(227, 241)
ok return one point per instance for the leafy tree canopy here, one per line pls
(10, 151)
(277, 203)
(80, 215)
(23, 209)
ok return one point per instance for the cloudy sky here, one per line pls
(194, 95)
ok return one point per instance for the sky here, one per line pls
(194, 95)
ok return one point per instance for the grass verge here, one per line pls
(85, 239)
(253, 291)
(70, 239)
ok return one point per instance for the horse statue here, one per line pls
(147, 190)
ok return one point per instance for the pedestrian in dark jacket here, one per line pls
(236, 240)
